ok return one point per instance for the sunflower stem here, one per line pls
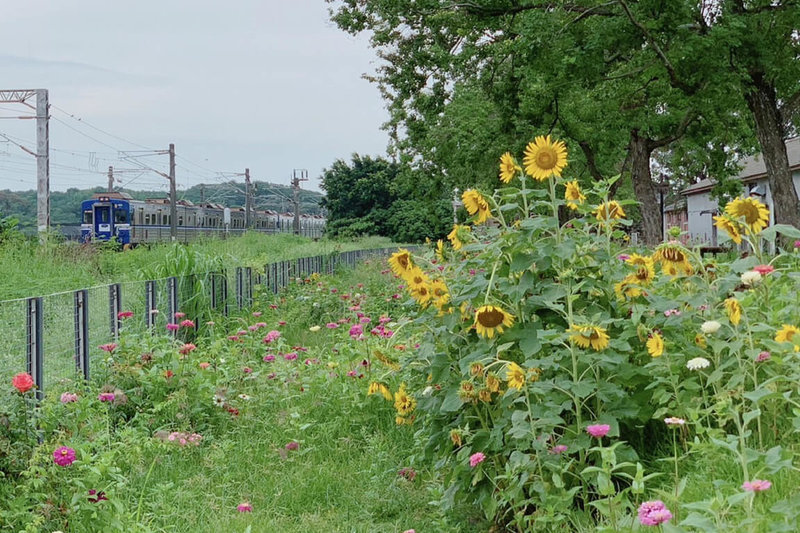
(526, 211)
(491, 283)
(554, 204)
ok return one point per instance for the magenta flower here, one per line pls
(291, 356)
(69, 397)
(247, 370)
(271, 336)
(96, 497)
(269, 358)
(257, 314)
(233, 338)
(260, 325)
(764, 269)
(763, 356)
(757, 485)
(476, 458)
(180, 315)
(110, 347)
(623, 257)
(106, 397)
(172, 327)
(281, 322)
(293, 445)
(365, 320)
(64, 456)
(124, 314)
(331, 325)
(244, 507)
(598, 430)
(797, 244)
(356, 331)
(653, 513)
(558, 449)
(187, 324)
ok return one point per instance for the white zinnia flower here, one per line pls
(219, 401)
(674, 421)
(314, 328)
(751, 277)
(244, 397)
(710, 326)
(697, 363)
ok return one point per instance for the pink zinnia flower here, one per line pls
(110, 347)
(256, 314)
(260, 325)
(797, 244)
(247, 370)
(244, 507)
(106, 397)
(292, 445)
(180, 315)
(281, 322)
(623, 257)
(204, 365)
(763, 356)
(560, 448)
(252, 328)
(356, 331)
(233, 338)
(124, 314)
(653, 513)
(269, 358)
(757, 485)
(96, 497)
(598, 430)
(241, 332)
(291, 356)
(365, 320)
(331, 325)
(172, 327)
(187, 348)
(69, 397)
(23, 382)
(764, 269)
(64, 456)
(187, 324)
(476, 458)
(271, 336)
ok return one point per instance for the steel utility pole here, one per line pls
(110, 179)
(298, 175)
(173, 197)
(248, 200)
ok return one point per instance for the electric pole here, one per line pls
(110, 179)
(202, 193)
(173, 197)
(248, 200)
(298, 175)
(42, 162)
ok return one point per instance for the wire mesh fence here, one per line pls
(61, 336)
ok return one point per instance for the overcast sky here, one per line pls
(271, 85)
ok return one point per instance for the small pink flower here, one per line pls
(763, 356)
(653, 513)
(365, 320)
(271, 336)
(204, 365)
(179, 315)
(252, 328)
(69, 397)
(764, 269)
(331, 325)
(273, 306)
(757, 485)
(110, 347)
(247, 370)
(106, 397)
(187, 324)
(352, 374)
(269, 358)
(797, 244)
(260, 325)
(476, 458)
(598, 430)
(244, 507)
(233, 338)
(256, 314)
(407, 473)
(558, 449)
(172, 327)
(64, 456)
(187, 348)
(409, 531)
(293, 445)
(291, 356)
(623, 257)
(281, 322)
(356, 331)
(241, 332)
(210, 323)
(124, 314)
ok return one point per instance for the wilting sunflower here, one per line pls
(645, 270)
(627, 288)
(734, 309)
(700, 340)
(415, 277)
(489, 318)
(573, 195)
(729, 226)
(545, 158)
(589, 335)
(673, 258)
(508, 167)
(515, 376)
(404, 404)
(422, 294)
(376, 387)
(439, 293)
(655, 345)
(609, 211)
(485, 395)
(440, 249)
(454, 236)
(493, 382)
(755, 214)
(787, 334)
(455, 436)
(400, 261)
(474, 203)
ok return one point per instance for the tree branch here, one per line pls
(583, 12)
(688, 118)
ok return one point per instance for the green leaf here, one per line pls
(784, 229)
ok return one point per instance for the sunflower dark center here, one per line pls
(546, 159)
(490, 319)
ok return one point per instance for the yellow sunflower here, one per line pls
(455, 436)
(508, 167)
(673, 258)
(627, 288)
(415, 277)
(454, 236)
(422, 294)
(489, 318)
(755, 214)
(729, 226)
(515, 376)
(545, 158)
(400, 261)
(734, 309)
(476, 204)
(787, 334)
(440, 249)
(589, 335)
(404, 404)
(375, 388)
(439, 293)
(609, 211)
(655, 345)
(645, 270)
(573, 195)
(700, 340)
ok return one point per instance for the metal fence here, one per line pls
(60, 334)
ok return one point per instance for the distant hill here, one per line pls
(65, 206)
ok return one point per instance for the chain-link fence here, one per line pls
(59, 336)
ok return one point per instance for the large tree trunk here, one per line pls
(769, 129)
(639, 151)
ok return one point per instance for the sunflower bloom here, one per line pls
(493, 383)
(476, 204)
(485, 395)
(627, 288)
(673, 258)
(609, 211)
(455, 436)
(729, 226)
(422, 294)
(400, 262)
(734, 310)
(439, 293)
(440, 249)
(415, 278)
(545, 158)
(489, 318)
(645, 270)
(404, 404)
(573, 195)
(589, 335)
(508, 167)
(787, 334)
(515, 376)
(754, 213)
(454, 236)
(655, 345)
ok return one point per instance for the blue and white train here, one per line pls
(116, 215)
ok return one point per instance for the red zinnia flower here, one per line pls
(23, 382)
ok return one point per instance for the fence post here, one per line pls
(213, 291)
(35, 350)
(225, 292)
(249, 275)
(239, 287)
(114, 304)
(150, 303)
(82, 332)
(172, 294)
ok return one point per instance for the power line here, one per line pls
(82, 121)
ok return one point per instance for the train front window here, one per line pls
(87, 216)
(120, 217)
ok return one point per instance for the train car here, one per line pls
(116, 215)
